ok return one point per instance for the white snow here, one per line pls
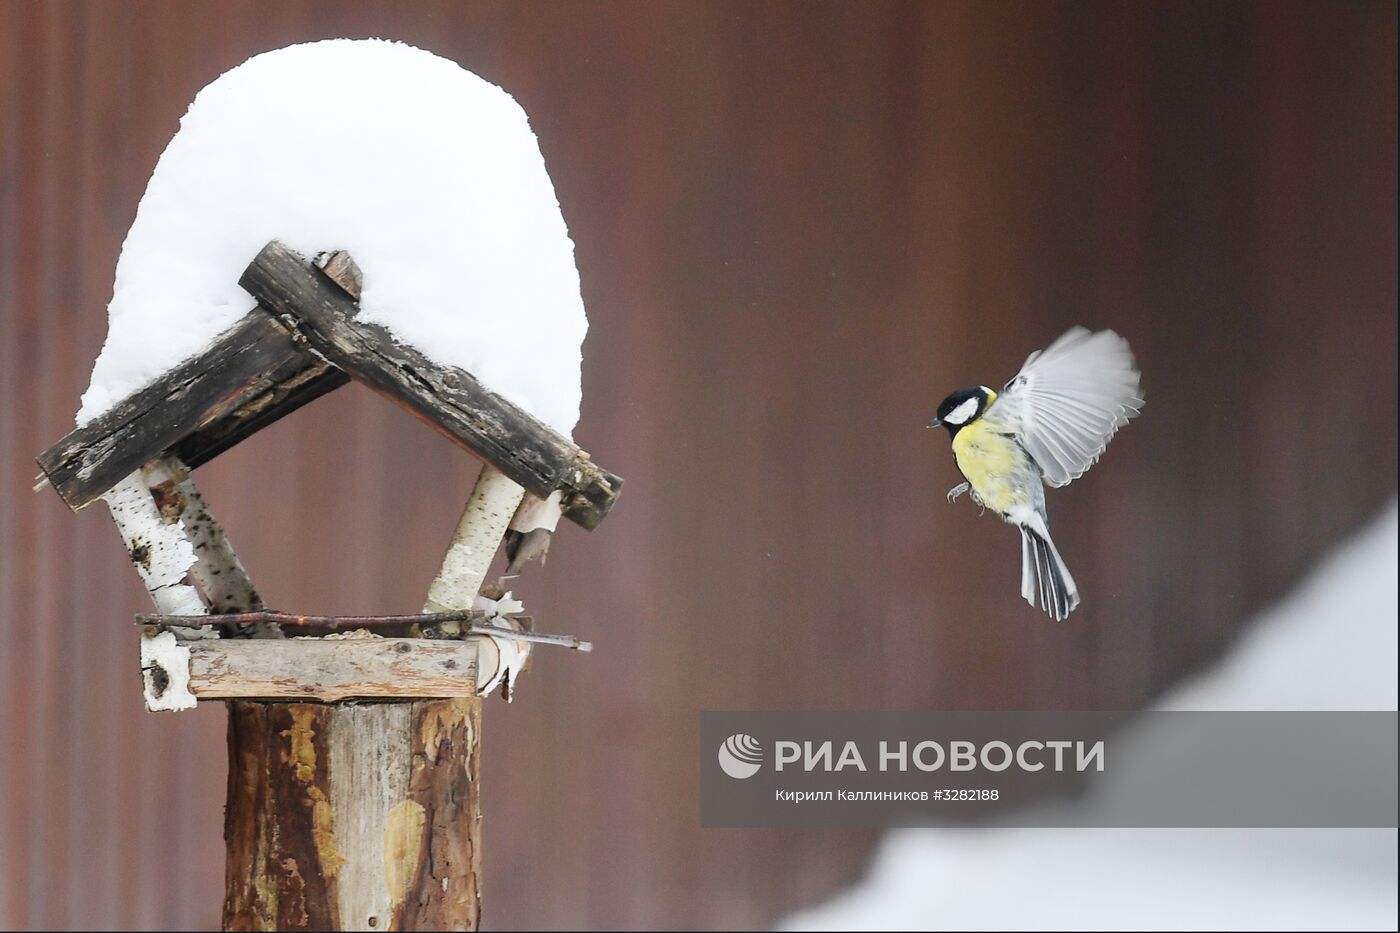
(429, 175)
(1329, 646)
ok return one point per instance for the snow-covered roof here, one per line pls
(427, 174)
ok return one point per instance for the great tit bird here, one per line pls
(1047, 425)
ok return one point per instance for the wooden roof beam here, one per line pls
(303, 341)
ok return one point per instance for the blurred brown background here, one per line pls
(799, 226)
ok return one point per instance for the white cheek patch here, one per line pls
(964, 411)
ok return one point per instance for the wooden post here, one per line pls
(367, 816)
(353, 816)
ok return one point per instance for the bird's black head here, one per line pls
(962, 408)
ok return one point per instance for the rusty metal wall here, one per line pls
(798, 226)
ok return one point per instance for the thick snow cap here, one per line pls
(429, 175)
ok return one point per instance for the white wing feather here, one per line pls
(1069, 400)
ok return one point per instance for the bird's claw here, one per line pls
(958, 490)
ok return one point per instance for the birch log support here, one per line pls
(186, 563)
(217, 572)
(489, 510)
(368, 816)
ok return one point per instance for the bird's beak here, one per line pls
(934, 423)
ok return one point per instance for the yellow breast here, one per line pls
(991, 463)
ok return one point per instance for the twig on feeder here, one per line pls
(293, 621)
(539, 638)
(432, 625)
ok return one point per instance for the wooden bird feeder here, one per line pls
(353, 799)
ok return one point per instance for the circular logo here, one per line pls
(740, 756)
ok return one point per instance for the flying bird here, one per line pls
(1048, 425)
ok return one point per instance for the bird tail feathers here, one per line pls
(1045, 577)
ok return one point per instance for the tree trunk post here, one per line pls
(353, 816)
(364, 815)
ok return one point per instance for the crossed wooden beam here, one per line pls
(302, 341)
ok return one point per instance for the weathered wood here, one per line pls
(341, 268)
(441, 878)
(332, 669)
(353, 817)
(451, 400)
(279, 830)
(289, 391)
(292, 387)
(249, 377)
(399, 780)
(259, 371)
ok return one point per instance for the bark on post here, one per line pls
(353, 816)
(367, 816)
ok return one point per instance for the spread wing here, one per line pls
(1069, 400)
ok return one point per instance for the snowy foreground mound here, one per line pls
(430, 176)
(1331, 645)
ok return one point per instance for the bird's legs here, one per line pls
(958, 490)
